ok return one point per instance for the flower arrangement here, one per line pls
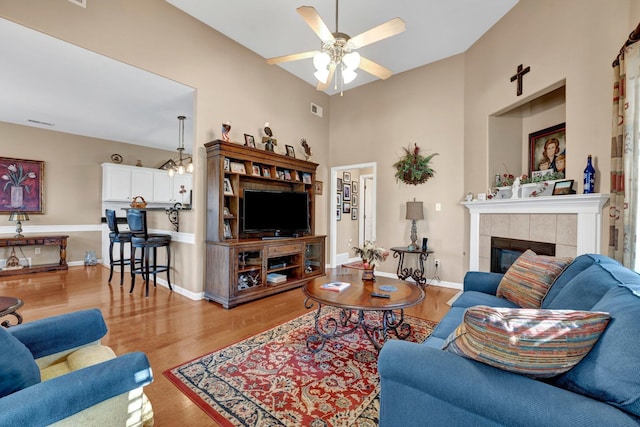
(371, 254)
(16, 176)
(413, 168)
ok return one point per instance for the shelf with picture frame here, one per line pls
(225, 239)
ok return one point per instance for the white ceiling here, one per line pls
(80, 92)
(436, 29)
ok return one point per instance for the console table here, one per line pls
(405, 272)
(60, 241)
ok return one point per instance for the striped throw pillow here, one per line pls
(530, 277)
(536, 343)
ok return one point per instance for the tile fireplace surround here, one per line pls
(572, 222)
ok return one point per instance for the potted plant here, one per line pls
(371, 256)
(414, 168)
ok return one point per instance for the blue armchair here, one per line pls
(55, 372)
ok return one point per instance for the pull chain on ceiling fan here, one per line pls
(338, 51)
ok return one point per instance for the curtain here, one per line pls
(624, 209)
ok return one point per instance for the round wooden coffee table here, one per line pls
(354, 302)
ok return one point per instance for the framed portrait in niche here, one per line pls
(547, 149)
(21, 186)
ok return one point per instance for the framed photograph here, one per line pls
(563, 187)
(227, 190)
(338, 214)
(249, 141)
(354, 187)
(354, 199)
(339, 200)
(287, 175)
(306, 178)
(227, 166)
(346, 176)
(256, 170)
(280, 174)
(339, 185)
(346, 207)
(547, 149)
(346, 191)
(266, 172)
(354, 213)
(318, 188)
(291, 152)
(21, 189)
(238, 167)
(226, 211)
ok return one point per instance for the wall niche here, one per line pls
(510, 127)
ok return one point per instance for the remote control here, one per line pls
(377, 295)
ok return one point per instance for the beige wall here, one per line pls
(570, 40)
(444, 107)
(232, 83)
(375, 122)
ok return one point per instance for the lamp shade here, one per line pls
(18, 216)
(414, 210)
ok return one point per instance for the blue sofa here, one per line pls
(421, 384)
(54, 371)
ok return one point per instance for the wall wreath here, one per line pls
(414, 168)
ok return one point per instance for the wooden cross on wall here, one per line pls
(518, 76)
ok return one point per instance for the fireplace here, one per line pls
(505, 251)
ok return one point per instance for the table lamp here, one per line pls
(414, 213)
(18, 217)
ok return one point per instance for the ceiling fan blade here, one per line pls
(324, 86)
(376, 69)
(294, 57)
(382, 31)
(311, 17)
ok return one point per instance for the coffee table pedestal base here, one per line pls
(350, 320)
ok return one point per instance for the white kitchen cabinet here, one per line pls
(122, 183)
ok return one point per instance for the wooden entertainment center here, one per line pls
(241, 267)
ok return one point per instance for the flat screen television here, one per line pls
(283, 213)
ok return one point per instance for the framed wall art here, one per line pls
(21, 185)
(318, 188)
(291, 152)
(547, 149)
(346, 190)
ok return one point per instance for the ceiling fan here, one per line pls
(338, 51)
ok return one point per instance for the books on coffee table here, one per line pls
(335, 286)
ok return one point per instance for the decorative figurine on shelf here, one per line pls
(307, 149)
(226, 128)
(269, 141)
(515, 188)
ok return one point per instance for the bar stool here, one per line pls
(117, 236)
(141, 239)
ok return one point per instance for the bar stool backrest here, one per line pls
(137, 221)
(111, 220)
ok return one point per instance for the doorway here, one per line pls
(363, 176)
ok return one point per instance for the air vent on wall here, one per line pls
(316, 109)
(81, 3)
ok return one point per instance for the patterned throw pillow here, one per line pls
(530, 277)
(536, 343)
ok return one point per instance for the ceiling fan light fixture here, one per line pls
(322, 75)
(348, 75)
(351, 60)
(321, 61)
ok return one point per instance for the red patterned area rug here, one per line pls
(272, 379)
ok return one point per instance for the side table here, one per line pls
(9, 306)
(403, 272)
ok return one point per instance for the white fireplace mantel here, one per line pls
(588, 208)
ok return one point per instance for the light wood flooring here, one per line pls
(169, 328)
